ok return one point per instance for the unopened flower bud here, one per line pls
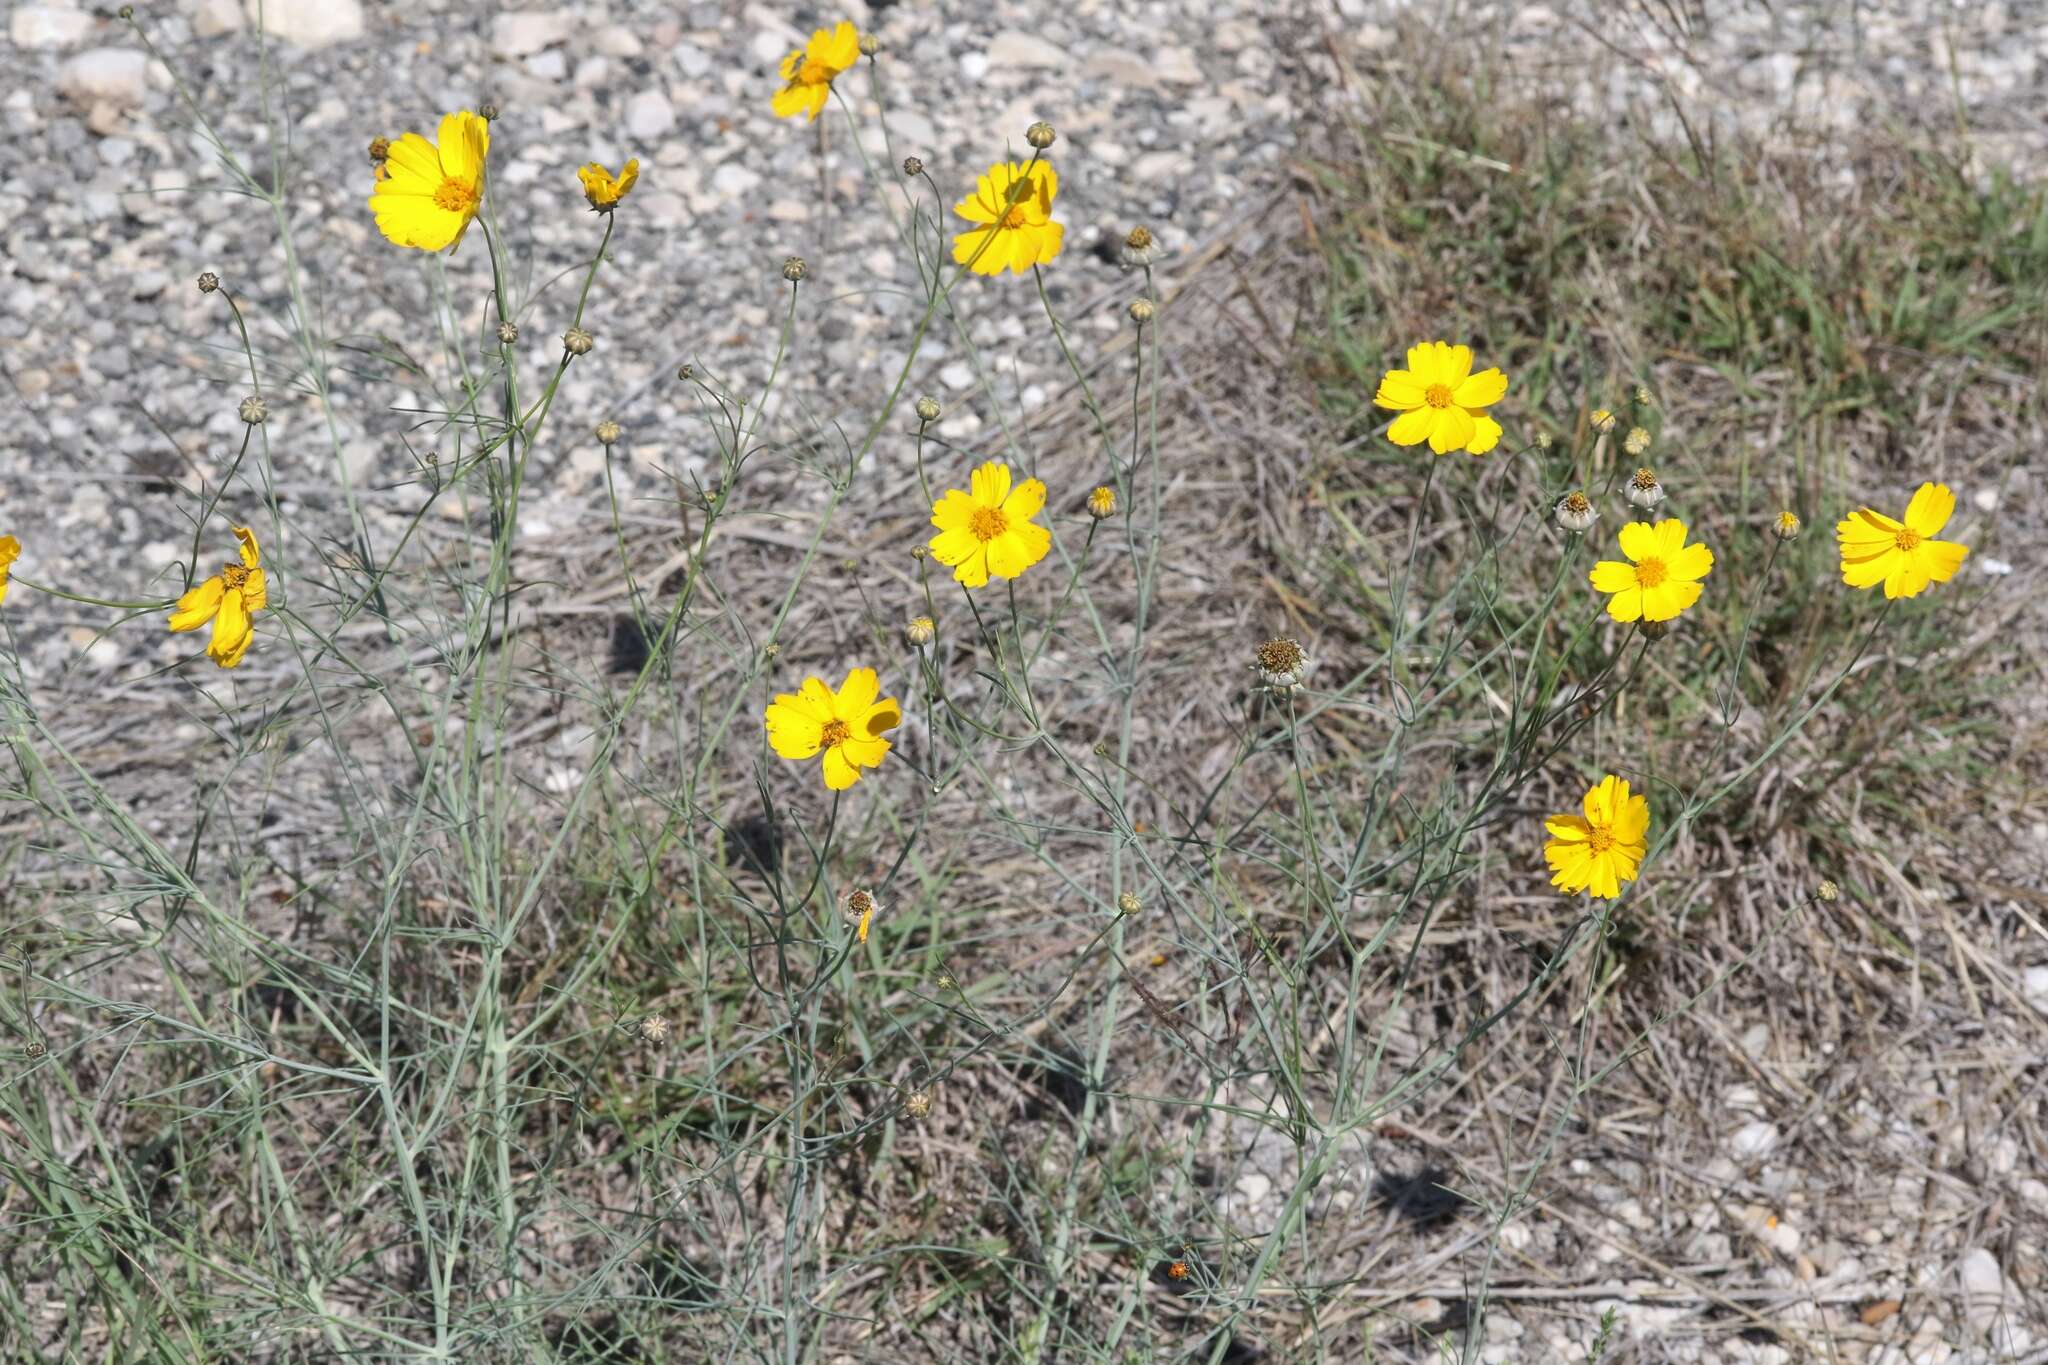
(913, 165)
(508, 332)
(607, 432)
(686, 373)
(576, 341)
(1040, 135)
(1129, 904)
(919, 631)
(869, 45)
(487, 111)
(208, 282)
(918, 1104)
(1102, 503)
(253, 411)
(1642, 396)
(1827, 891)
(1654, 630)
(927, 410)
(653, 1029)
(1786, 527)
(1602, 420)
(794, 269)
(1637, 441)
(1141, 311)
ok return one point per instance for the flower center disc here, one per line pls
(836, 732)
(456, 196)
(1600, 841)
(233, 575)
(1015, 217)
(1437, 395)
(813, 73)
(988, 523)
(1650, 573)
(1907, 539)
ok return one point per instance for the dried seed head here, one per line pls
(380, 150)
(859, 909)
(1786, 527)
(652, 1029)
(1102, 503)
(35, 1051)
(770, 650)
(913, 165)
(1281, 664)
(1643, 488)
(1129, 904)
(1603, 420)
(928, 410)
(1040, 135)
(607, 432)
(1637, 441)
(1827, 891)
(1141, 311)
(508, 332)
(253, 411)
(1576, 513)
(794, 269)
(1140, 249)
(208, 282)
(576, 341)
(919, 631)
(918, 1104)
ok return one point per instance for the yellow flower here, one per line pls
(809, 72)
(10, 550)
(604, 192)
(1018, 235)
(1902, 555)
(846, 724)
(1440, 400)
(988, 529)
(1664, 577)
(1600, 850)
(428, 194)
(228, 599)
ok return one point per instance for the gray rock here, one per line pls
(308, 23)
(213, 18)
(1013, 49)
(34, 26)
(522, 35)
(649, 115)
(117, 76)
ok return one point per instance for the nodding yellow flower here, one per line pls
(10, 550)
(808, 73)
(845, 725)
(229, 599)
(989, 529)
(1013, 236)
(1902, 555)
(602, 189)
(1663, 578)
(1597, 851)
(429, 192)
(1441, 401)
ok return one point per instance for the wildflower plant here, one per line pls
(694, 915)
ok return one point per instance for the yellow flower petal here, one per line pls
(839, 773)
(245, 544)
(1485, 434)
(990, 483)
(232, 630)
(1399, 389)
(1024, 501)
(1690, 563)
(1480, 390)
(856, 695)
(1452, 430)
(1412, 428)
(1611, 575)
(1638, 541)
(1930, 509)
(198, 606)
(792, 732)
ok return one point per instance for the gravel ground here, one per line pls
(124, 386)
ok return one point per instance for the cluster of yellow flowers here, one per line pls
(1441, 401)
